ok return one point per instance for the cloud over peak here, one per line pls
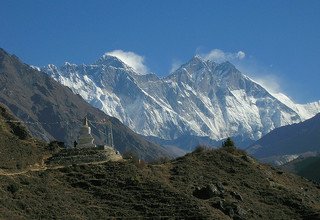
(219, 56)
(131, 59)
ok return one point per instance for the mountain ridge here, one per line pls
(201, 98)
(294, 139)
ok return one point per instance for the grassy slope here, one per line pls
(131, 189)
(18, 149)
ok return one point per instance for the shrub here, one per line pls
(129, 155)
(13, 188)
(140, 164)
(200, 148)
(228, 143)
(55, 146)
(161, 160)
(19, 165)
(229, 146)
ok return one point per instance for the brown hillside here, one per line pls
(18, 149)
(206, 184)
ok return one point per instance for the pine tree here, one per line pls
(228, 143)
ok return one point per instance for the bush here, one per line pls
(201, 148)
(19, 165)
(228, 143)
(161, 160)
(55, 146)
(13, 188)
(129, 155)
(229, 146)
(140, 164)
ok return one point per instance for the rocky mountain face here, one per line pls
(52, 111)
(288, 142)
(201, 98)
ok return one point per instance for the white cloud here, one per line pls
(219, 56)
(267, 78)
(175, 65)
(241, 55)
(131, 59)
(269, 82)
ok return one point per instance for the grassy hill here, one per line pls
(206, 184)
(18, 149)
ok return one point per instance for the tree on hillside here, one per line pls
(228, 143)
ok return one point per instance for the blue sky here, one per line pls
(280, 39)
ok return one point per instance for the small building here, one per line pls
(85, 139)
(85, 151)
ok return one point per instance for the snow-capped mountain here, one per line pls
(201, 98)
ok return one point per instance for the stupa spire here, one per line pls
(85, 139)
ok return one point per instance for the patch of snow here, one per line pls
(36, 68)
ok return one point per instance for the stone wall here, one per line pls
(72, 156)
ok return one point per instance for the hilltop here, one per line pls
(215, 184)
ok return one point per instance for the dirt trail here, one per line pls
(4, 173)
(43, 167)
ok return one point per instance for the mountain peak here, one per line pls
(199, 60)
(110, 60)
(195, 62)
(69, 64)
(4, 54)
(2, 51)
(200, 98)
(196, 59)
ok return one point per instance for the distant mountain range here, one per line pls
(288, 142)
(52, 111)
(202, 98)
(305, 165)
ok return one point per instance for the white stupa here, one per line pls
(85, 139)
